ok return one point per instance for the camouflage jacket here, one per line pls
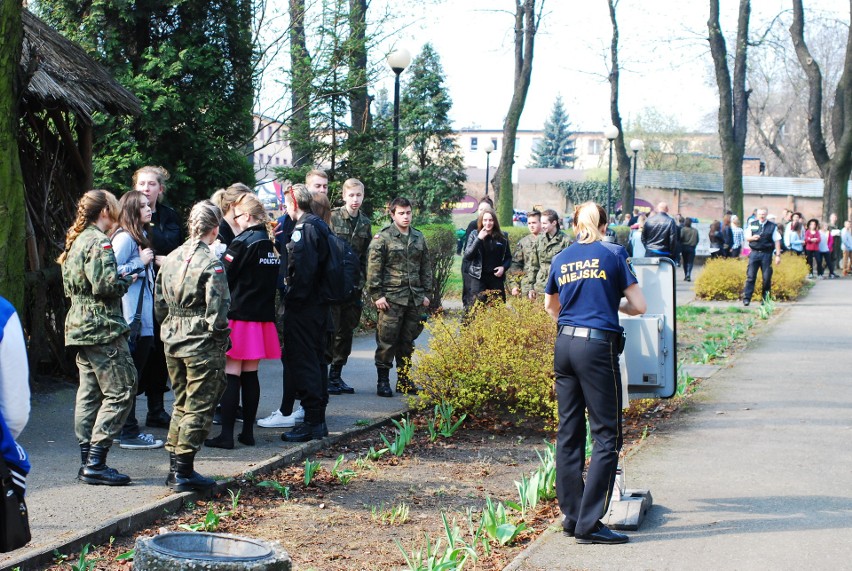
(90, 278)
(192, 301)
(357, 231)
(546, 247)
(521, 262)
(398, 266)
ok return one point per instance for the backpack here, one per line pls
(341, 272)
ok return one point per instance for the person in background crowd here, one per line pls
(637, 248)
(251, 263)
(551, 241)
(523, 253)
(321, 208)
(585, 303)
(192, 304)
(134, 255)
(688, 243)
(225, 198)
(305, 321)
(471, 229)
(399, 277)
(737, 237)
(635, 217)
(352, 225)
(317, 181)
(834, 250)
(826, 243)
(96, 328)
(14, 393)
(846, 247)
(727, 236)
(489, 256)
(812, 239)
(795, 236)
(165, 234)
(763, 239)
(716, 240)
(660, 234)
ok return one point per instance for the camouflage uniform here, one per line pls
(191, 303)
(546, 247)
(398, 269)
(521, 263)
(95, 325)
(358, 232)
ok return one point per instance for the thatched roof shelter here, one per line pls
(59, 74)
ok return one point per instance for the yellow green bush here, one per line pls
(724, 278)
(500, 360)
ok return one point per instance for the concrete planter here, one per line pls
(203, 551)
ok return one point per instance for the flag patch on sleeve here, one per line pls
(229, 258)
(107, 245)
(218, 269)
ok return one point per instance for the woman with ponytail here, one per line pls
(588, 284)
(95, 326)
(191, 303)
(252, 268)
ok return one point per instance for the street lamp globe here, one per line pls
(637, 145)
(399, 59)
(489, 148)
(611, 132)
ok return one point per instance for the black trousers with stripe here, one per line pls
(587, 378)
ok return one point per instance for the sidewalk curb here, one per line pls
(146, 515)
(519, 560)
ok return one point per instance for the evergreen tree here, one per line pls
(190, 62)
(432, 166)
(556, 149)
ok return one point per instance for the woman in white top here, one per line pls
(637, 247)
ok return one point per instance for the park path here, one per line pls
(755, 474)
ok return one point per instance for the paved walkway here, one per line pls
(756, 473)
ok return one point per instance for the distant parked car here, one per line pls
(519, 217)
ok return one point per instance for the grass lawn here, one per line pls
(454, 283)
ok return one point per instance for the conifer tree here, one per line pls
(556, 148)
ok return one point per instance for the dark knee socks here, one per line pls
(229, 402)
(251, 398)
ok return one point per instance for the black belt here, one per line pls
(589, 333)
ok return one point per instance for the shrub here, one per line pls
(500, 360)
(441, 239)
(724, 278)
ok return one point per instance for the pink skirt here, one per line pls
(253, 340)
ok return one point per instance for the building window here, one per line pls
(474, 143)
(277, 161)
(494, 143)
(595, 146)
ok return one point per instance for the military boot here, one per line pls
(404, 386)
(334, 379)
(186, 478)
(170, 479)
(96, 472)
(333, 388)
(84, 456)
(383, 384)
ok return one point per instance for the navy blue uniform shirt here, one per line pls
(590, 280)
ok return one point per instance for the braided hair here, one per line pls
(204, 217)
(89, 208)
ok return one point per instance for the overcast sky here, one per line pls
(664, 56)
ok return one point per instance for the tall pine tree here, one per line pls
(556, 148)
(432, 169)
(190, 62)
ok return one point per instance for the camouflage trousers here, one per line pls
(396, 330)
(107, 389)
(198, 383)
(345, 319)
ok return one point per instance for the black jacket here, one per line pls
(307, 251)
(475, 250)
(252, 267)
(660, 233)
(165, 231)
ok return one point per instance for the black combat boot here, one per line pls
(306, 431)
(170, 479)
(186, 478)
(84, 456)
(96, 471)
(332, 386)
(404, 386)
(383, 384)
(334, 379)
(157, 416)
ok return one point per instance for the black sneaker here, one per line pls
(217, 416)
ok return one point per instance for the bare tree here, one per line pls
(526, 25)
(733, 102)
(12, 206)
(301, 89)
(835, 168)
(622, 158)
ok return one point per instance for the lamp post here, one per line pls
(489, 148)
(636, 145)
(398, 60)
(610, 133)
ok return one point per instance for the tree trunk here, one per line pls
(835, 169)
(621, 156)
(525, 28)
(359, 98)
(733, 102)
(12, 200)
(301, 86)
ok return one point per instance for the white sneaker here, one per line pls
(278, 420)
